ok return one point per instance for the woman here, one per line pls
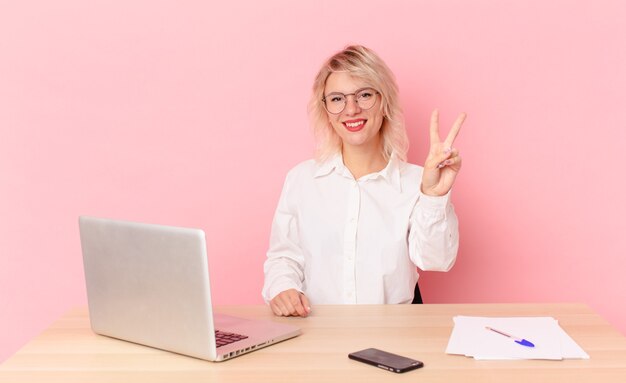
(352, 225)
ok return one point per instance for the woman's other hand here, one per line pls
(290, 303)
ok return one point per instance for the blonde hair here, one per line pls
(362, 63)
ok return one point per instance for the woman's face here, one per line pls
(356, 126)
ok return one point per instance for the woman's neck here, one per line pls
(362, 161)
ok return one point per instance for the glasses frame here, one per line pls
(346, 99)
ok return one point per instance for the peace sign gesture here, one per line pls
(443, 162)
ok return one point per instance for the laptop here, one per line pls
(149, 284)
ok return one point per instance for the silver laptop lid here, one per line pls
(149, 284)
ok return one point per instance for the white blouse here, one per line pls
(341, 240)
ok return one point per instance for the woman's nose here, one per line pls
(352, 106)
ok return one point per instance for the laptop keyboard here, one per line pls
(223, 338)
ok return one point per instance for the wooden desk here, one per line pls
(69, 352)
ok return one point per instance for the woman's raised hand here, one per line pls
(443, 162)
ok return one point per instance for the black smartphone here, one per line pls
(386, 360)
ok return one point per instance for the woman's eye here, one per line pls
(365, 95)
(336, 99)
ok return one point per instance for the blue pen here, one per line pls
(523, 342)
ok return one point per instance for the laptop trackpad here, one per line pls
(259, 329)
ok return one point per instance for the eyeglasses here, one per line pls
(335, 102)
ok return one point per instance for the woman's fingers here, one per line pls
(455, 130)
(279, 307)
(434, 128)
(440, 158)
(452, 161)
(296, 304)
(306, 303)
(290, 303)
(275, 309)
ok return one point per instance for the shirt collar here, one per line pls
(325, 167)
(391, 172)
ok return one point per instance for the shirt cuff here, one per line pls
(278, 288)
(430, 202)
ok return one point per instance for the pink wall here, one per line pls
(191, 114)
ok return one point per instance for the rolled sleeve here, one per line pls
(284, 267)
(433, 233)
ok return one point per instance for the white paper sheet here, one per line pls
(470, 337)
